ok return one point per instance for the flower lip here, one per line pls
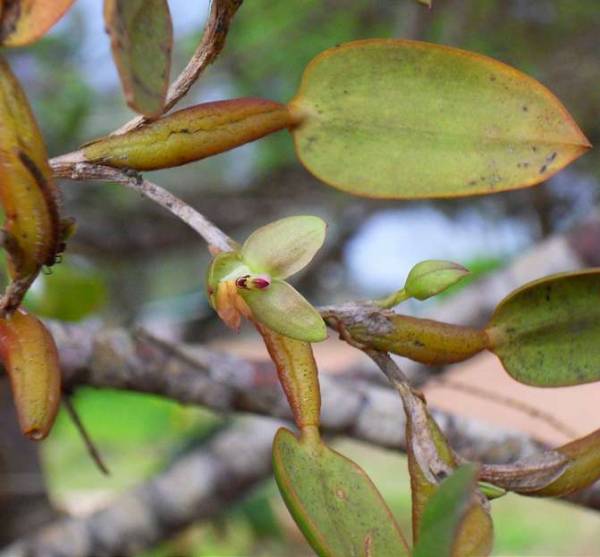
(250, 282)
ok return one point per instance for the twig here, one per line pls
(198, 486)
(213, 41)
(87, 440)
(74, 170)
(518, 405)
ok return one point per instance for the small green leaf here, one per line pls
(428, 278)
(405, 119)
(333, 501)
(445, 512)
(141, 34)
(285, 246)
(283, 309)
(547, 333)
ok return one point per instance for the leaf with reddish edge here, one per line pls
(547, 333)
(333, 501)
(141, 35)
(190, 134)
(33, 231)
(298, 375)
(25, 21)
(406, 119)
(582, 470)
(31, 361)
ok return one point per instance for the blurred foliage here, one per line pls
(70, 291)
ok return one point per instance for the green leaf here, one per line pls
(404, 119)
(285, 246)
(547, 333)
(428, 278)
(333, 501)
(25, 21)
(284, 310)
(141, 35)
(445, 512)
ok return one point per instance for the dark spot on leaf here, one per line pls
(551, 157)
(492, 78)
(525, 108)
(543, 168)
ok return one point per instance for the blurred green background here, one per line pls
(131, 263)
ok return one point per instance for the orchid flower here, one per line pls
(250, 282)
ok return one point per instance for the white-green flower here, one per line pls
(251, 282)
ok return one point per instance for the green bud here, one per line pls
(430, 277)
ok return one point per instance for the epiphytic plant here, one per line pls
(379, 118)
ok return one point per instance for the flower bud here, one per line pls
(430, 277)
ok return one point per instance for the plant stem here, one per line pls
(393, 299)
(216, 239)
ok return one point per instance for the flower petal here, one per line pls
(284, 310)
(285, 246)
(225, 266)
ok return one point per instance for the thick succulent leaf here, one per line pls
(298, 375)
(30, 359)
(404, 119)
(333, 501)
(25, 21)
(422, 340)
(141, 35)
(430, 277)
(582, 470)
(547, 333)
(190, 134)
(445, 513)
(285, 246)
(27, 192)
(284, 310)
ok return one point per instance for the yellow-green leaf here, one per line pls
(141, 35)
(298, 375)
(405, 119)
(30, 359)
(27, 192)
(25, 21)
(283, 247)
(547, 333)
(190, 134)
(333, 501)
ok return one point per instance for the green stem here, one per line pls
(393, 299)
